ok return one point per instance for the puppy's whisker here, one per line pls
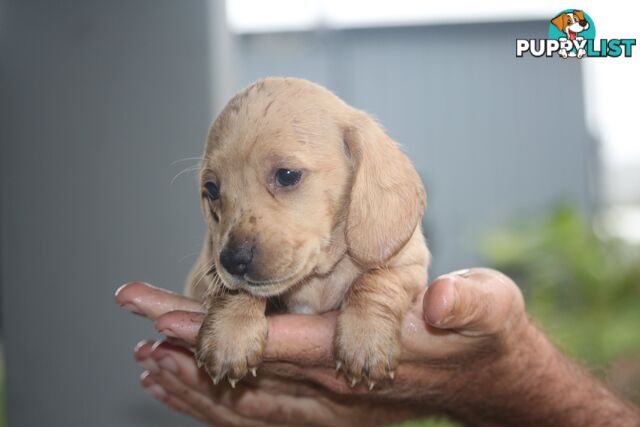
(196, 285)
(187, 256)
(216, 288)
(182, 172)
(201, 274)
(199, 159)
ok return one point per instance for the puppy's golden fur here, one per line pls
(347, 236)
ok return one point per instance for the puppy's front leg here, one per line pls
(232, 337)
(367, 342)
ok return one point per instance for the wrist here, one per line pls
(511, 383)
(531, 383)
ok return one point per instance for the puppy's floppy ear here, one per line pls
(560, 21)
(579, 14)
(387, 196)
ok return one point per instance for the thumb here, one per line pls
(477, 301)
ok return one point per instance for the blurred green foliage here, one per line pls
(430, 422)
(583, 287)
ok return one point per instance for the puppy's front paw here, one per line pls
(231, 346)
(367, 347)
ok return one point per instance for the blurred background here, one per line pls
(531, 166)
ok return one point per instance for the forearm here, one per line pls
(535, 385)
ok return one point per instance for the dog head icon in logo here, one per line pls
(572, 24)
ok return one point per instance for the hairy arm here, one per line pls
(535, 385)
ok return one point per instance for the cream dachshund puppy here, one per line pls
(311, 206)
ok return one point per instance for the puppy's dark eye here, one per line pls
(213, 192)
(287, 178)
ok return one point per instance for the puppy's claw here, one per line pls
(338, 366)
(233, 382)
(254, 371)
(372, 384)
(216, 380)
(392, 374)
(353, 382)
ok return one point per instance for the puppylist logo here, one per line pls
(572, 35)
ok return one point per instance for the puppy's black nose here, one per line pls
(583, 23)
(236, 258)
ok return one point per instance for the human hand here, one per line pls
(469, 351)
(460, 320)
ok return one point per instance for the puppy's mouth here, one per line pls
(572, 34)
(263, 288)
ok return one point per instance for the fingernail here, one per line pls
(120, 288)
(131, 307)
(169, 364)
(441, 301)
(131, 283)
(141, 344)
(156, 391)
(149, 364)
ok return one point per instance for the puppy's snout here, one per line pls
(237, 258)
